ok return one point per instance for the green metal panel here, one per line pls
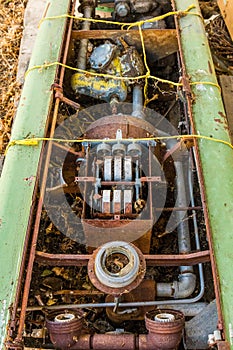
(20, 168)
(216, 159)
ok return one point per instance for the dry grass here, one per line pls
(221, 45)
(11, 27)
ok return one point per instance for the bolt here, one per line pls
(122, 9)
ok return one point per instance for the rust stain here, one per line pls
(29, 179)
(222, 120)
(210, 67)
(222, 115)
(218, 120)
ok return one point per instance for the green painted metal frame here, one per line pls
(18, 178)
(20, 169)
(216, 159)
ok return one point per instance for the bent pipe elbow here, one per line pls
(185, 286)
(178, 289)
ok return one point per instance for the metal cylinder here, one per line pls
(138, 102)
(116, 267)
(118, 149)
(64, 328)
(104, 150)
(165, 335)
(82, 53)
(122, 8)
(134, 150)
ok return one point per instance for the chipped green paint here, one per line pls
(21, 163)
(216, 159)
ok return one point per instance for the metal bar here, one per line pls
(107, 33)
(39, 210)
(118, 182)
(151, 260)
(164, 40)
(21, 163)
(209, 119)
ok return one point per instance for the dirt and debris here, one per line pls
(209, 8)
(11, 28)
(221, 44)
(58, 285)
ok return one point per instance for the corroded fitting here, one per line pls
(91, 4)
(117, 267)
(122, 8)
(165, 328)
(64, 328)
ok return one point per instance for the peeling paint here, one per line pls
(210, 67)
(30, 179)
(3, 322)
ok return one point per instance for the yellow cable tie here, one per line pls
(24, 142)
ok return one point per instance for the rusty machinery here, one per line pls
(122, 175)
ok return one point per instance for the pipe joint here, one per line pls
(185, 286)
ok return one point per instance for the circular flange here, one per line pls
(114, 283)
(64, 317)
(102, 56)
(164, 317)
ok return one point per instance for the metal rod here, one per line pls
(184, 243)
(196, 231)
(112, 304)
(151, 260)
(38, 215)
(82, 53)
(138, 102)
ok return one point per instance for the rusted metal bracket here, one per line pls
(151, 260)
(179, 149)
(59, 94)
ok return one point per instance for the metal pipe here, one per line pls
(138, 102)
(82, 52)
(184, 243)
(137, 180)
(182, 288)
(187, 280)
(195, 225)
(120, 305)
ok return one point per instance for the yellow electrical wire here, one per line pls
(34, 141)
(128, 25)
(125, 24)
(108, 76)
